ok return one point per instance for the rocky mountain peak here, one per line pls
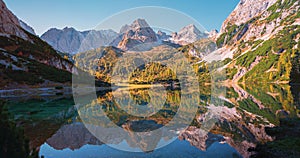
(188, 34)
(190, 29)
(139, 23)
(68, 29)
(139, 32)
(246, 10)
(136, 24)
(10, 24)
(257, 20)
(260, 33)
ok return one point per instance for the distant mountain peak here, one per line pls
(135, 25)
(188, 34)
(190, 28)
(139, 23)
(69, 29)
(53, 29)
(139, 32)
(69, 40)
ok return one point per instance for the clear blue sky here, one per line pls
(86, 14)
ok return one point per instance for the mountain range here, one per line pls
(139, 33)
(258, 42)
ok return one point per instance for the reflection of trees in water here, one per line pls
(12, 139)
(270, 102)
(296, 94)
(119, 116)
(142, 98)
(41, 118)
(286, 143)
(248, 109)
(276, 102)
(246, 112)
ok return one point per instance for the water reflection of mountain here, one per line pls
(41, 118)
(246, 112)
(72, 136)
(249, 110)
(75, 135)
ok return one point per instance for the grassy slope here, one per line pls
(280, 57)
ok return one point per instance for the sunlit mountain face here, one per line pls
(145, 91)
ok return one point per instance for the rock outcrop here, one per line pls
(162, 36)
(27, 27)
(213, 34)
